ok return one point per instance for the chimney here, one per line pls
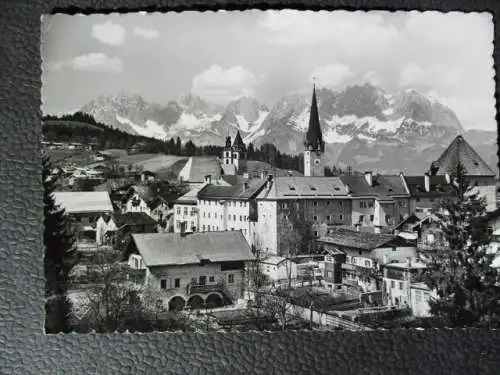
(269, 181)
(448, 178)
(208, 179)
(245, 186)
(369, 177)
(183, 228)
(427, 182)
(408, 262)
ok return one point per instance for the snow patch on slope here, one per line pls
(374, 125)
(151, 130)
(332, 136)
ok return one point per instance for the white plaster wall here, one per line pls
(267, 226)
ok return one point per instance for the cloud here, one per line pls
(350, 32)
(146, 33)
(92, 62)
(473, 112)
(333, 74)
(222, 85)
(109, 33)
(438, 77)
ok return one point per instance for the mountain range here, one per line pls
(363, 125)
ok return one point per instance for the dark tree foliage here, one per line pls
(60, 256)
(301, 238)
(461, 271)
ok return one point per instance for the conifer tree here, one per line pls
(60, 256)
(460, 271)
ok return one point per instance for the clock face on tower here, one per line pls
(316, 161)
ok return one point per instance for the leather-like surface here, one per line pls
(24, 348)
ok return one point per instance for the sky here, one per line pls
(221, 56)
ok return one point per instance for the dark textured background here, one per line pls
(24, 348)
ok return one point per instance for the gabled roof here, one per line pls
(362, 240)
(133, 218)
(314, 137)
(460, 151)
(383, 186)
(239, 191)
(439, 187)
(163, 249)
(304, 188)
(84, 201)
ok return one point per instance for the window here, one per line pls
(203, 227)
(204, 214)
(418, 199)
(230, 278)
(400, 285)
(241, 218)
(215, 215)
(315, 233)
(194, 280)
(234, 204)
(341, 217)
(234, 217)
(328, 203)
(209, 215)
(163, 284)
(361, 218)
(368, 263)
(327, 217)
(211, 279)
(372, 217)
(315, 218)
(232, 228)
(178, 210)
(418, 295)
(371, 204)
(315, 203)
(177, 283)
(185, 210)
(393, 284)
(348, 259)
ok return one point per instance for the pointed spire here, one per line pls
(314, 138)
(238, 141)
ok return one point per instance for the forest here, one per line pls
(82, 127)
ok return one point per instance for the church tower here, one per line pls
(227, 152)
(238, 150)
(314, 146)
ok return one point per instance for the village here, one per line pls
(225, 242)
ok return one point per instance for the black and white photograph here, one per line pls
(269, 171)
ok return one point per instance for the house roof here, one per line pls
(460, 151)
(112, 184)
(383, 186)
(439, 187)
(133, 218)
(84, 201)
(304, 188)
(402, 265)
(197, 167)
(163, 249)
(238, 191)
(273, 259)
(191, 196)
(362, 240)
(255, 168)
